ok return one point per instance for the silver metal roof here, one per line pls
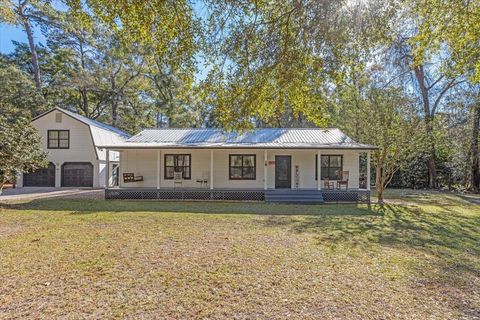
(87, 121)
(258, 138)
(94, 123)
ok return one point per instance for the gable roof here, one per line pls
(101, 133)
(258, 138)
(85, 120)
(94, 123)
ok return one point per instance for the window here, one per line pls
(58, 139)
(331, 166)
(178, 163)
(242, 167)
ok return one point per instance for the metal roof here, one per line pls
(87, 121)
(258, 138)
(94, 123)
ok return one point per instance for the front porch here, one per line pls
(311, 196)
(271, 175)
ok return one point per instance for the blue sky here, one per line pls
(9, 33)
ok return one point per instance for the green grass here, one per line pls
(417, 258)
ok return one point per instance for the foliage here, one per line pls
(19, 96)
(392, 126)
(276, 62)
(19, 142)
(246, 64)
(454, 25)
(19, 148)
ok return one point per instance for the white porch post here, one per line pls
(58, 175)
(158, 168)
(368, 170)
(211, 169)
(319, 170)
(265, 172)
(107, 169)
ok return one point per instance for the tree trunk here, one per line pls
(432, 167)
(115, 99)
(83, 90)
(84, 101)
(114, 113)
(475, 171)
(379, 184)
(33, 50)
(428, 116)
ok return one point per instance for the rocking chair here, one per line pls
(343, 180)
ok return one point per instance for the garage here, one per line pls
(44, 177)
(77, 174)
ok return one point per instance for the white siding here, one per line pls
(144, 163)
(82, 148)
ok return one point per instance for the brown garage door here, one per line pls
(40, 178)
(77, 174)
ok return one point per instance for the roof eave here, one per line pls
(153, 146)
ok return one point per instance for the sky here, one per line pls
(9, 33)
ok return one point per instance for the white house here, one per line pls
(73, 143)
(264, 164)
(275, 164)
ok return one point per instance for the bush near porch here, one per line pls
(415, 258)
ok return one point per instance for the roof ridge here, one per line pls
(98, 124)
(222, 129)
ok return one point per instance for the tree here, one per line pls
(425, 78)
(454, 27)
(19, 149)
(23, 13)
(382, 117)
(19, 96)
(19, 142)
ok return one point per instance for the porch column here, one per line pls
(158, 168)
(368, 170)
(211, 169)
(107, 169)
(265, 172)
(319, 170)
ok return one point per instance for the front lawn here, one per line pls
(416, 259)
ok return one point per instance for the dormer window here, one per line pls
(58, 139)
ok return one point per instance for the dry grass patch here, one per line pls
(127, 259)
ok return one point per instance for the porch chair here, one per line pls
(131, 177)
(204, 179)
(327, 184)
(343, 180)
(177, 178)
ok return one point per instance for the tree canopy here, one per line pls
(245, 64)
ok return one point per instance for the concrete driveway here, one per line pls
(30, 193)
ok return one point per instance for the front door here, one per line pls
(283, 172)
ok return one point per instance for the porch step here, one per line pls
(294, 196)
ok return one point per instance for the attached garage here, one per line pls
(40, 178)
(77, 174)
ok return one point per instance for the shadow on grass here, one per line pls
(395, 225)
(444, 245)
(446, 237)
(82, 206)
